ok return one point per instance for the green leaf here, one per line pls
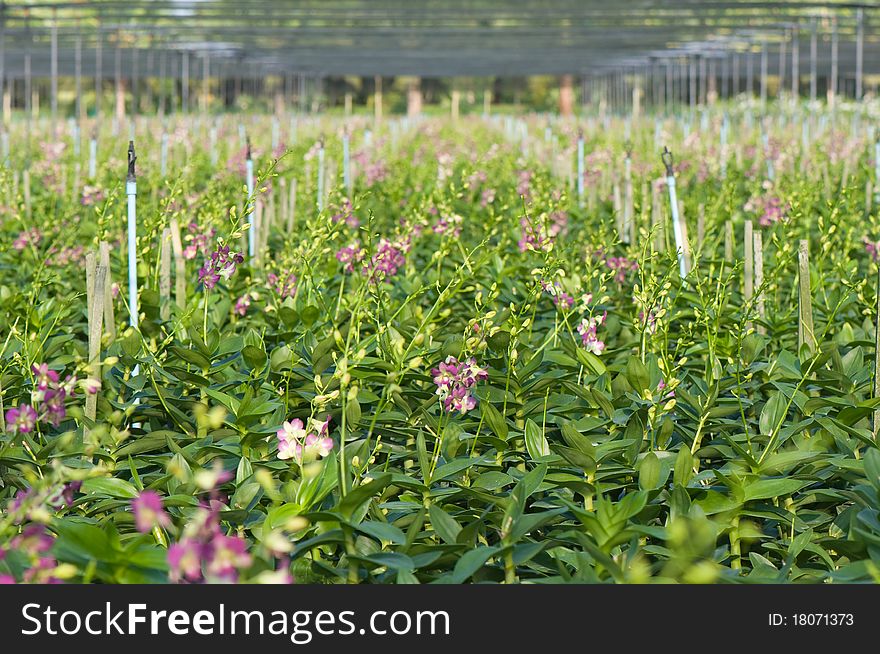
(649, 472)
(576, 458)
(254, 356)
(445, 526)
(637, 375)
(382, 531)
(110, 486)
(191, 356)
(772, 488)
(496, 421)
(578, 441)
(773, 413)
(872, 467)
(470, 562)
(536, 442)
(684, 467)
(356, 497)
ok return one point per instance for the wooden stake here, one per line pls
(806, 335)
(165, 275)
(657, 222)
(96, 280)
(618, 212)
(876, 422)
(628, 210)
(759, 275)
(179, 265)
(27, 191)
(109, 310)
(257, 228)
(749, 262)
(291, 215)
(284, 199)
(701, 226)
(728, 240)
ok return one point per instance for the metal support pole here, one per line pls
(54, 69)
(814, 55)
(832, 88)
(860, 50)
(780, 90)
(99, 58)
(184, 82)
(763, 73)
(750, 74)
(77, 65)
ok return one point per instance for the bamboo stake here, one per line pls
(179, 265)
(284, 200)
(26, 180)
(628, 235)
(728, 240)
(758, 247)
(749, 262)
(806, 335)
(109, 311)
(876, 421)
(618, 211)
(657, 220)
(257, 229)
(96, 279)
(165, 275)
(701, 226)
(291, 215)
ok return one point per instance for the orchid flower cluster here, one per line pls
(872, 248)
(243, 303)
(769, 209)
(65, 256)
(284, 286)
(48, 400)
(350, 255)
(449, 224)
(199, 240)
(27, 238)
(149, 512)
(455, 381)
(558, 294)
(32, 545)
(346, 213)
(91, 195)
(390, 257)
(536, 235)
(205, 553)
(621, 265)
(304, 445)
(222, 263)
(588, 329)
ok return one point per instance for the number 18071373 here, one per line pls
(811, 620)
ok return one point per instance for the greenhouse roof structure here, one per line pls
(429, 38)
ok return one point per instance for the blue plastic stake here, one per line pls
(131, 193)
(346, 163)
(252, 236)
(321, 177)
(93, 157)
(163, 164)
(580, 169)
(677, 227)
